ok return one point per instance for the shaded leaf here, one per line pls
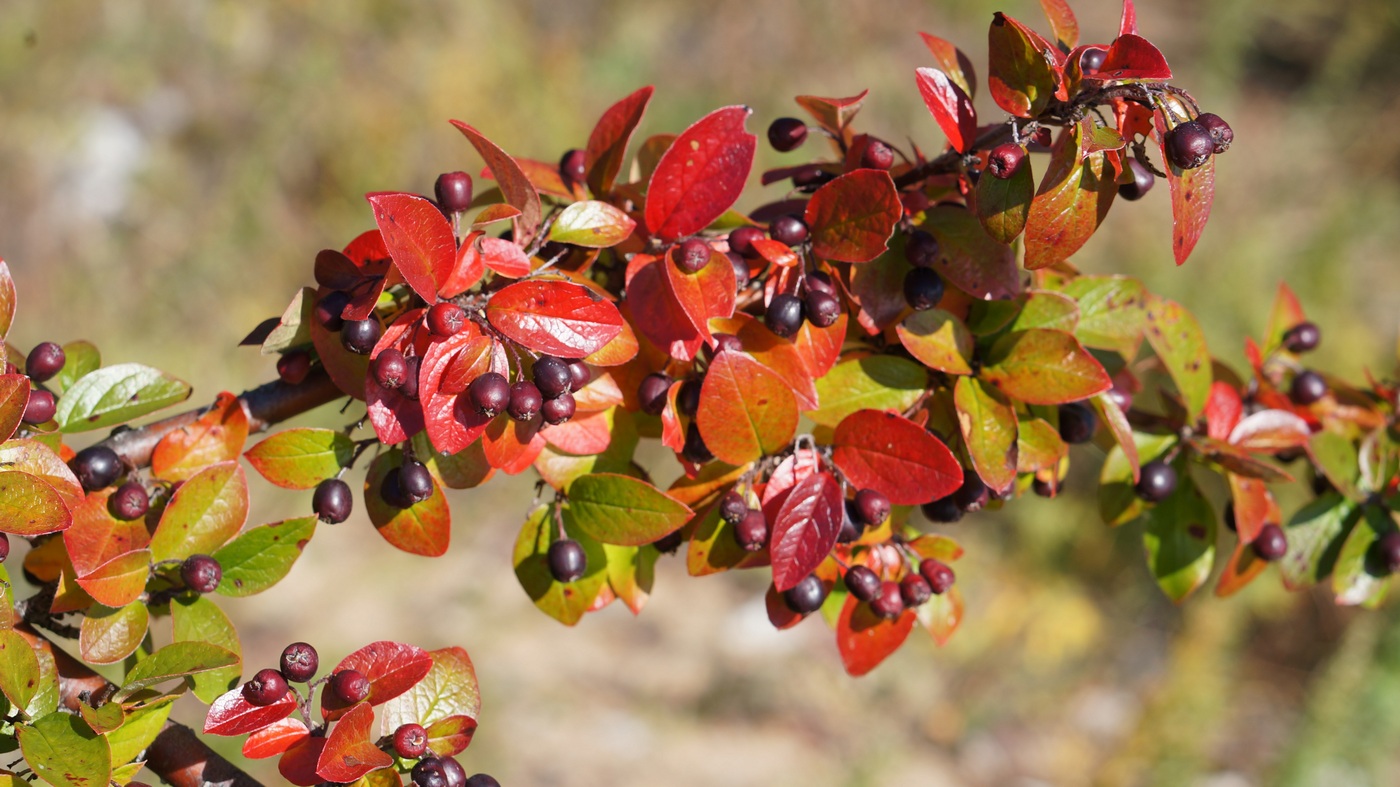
(805, 529)
(852, 217)
(1361, 575)
(1179, 535)
(1315, 534)
(1004, 204)
(1180, 343)
(423, 528)
(565, 603)
(972, 260)
(865, 639)
(607, 143)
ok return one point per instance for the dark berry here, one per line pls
(409, 388)
(1005, 160)
(389, 368)
(788, 229)
(1156, 482)
(877, 155)
(4, 547)
(1121, 397)
(482, 780)
(265, 688)
(784, 315)
(96, 467)
(741, 270)
(360, 336)
(921, 250)
(452, 771)
(752, 531)
(129, 502)
(820, 281)
(692, 255)
(428, 773)
(41, 407)
(1220, 132)
(1271, 544)
(1229, 517)
(651, 394)
(688, 397)
(850, 530)
(446, 319)
(786, 134)
(923, 288)
(44, 361)
(559, 409)
(567, 560)
(525, 401)
(1388, 547)
(863, 583)
(1043, 488)
(489, 394)
(937, 574)
(416, 482)
(669, 543)
(890, 602)
(1303, 337)
(391, 491)
(453, 191)
(572, 167)
(822, 309)
(579, 375)
(330, 308)
(806, 596)
(812, 177)
(741, 241)
(872, 508)
(1077, 423)
(733, 508)
(914, 590)
(1092, 60)
(973, 494)
(410, 741)
(1141, 183)
(293, 367)
(332, 501)
(1189, 145)
(350, 686)
(299, 662)
(695, 451)
(552, 376)
(944, 509)
(201, 573)
(1308, 387)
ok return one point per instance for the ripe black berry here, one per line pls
(1005, 160)
(823, 309)
(1189, 145)
(741, 270)
(482, 780)
(453, 191)
(559, 409)
(1388, 547)
(567, 560)
(863, 583)
(692, 255)
(806, 596)
(813, 176)
(293, 367)
(350, 686)
(409, 388)
(1092, 60)
(688, 397)
(788, 229)
(871, 508)
(669, 543)
(525, 401)
(299, 662)
(201, 573)
(360, 336)
(921, 250)
(786, 134)
(741, 241)
(579, 375)
(877, 155)
(1271, 544)
(265, 688)
(1220, 132)
(428, 773)
(973, 494)
(937, 574)
(96, 467)
(889, 603)
(552, 376)
(446, 319)
(850, 531)
(1156, 482)
(784, 315)
(944, 509)
(452, 771)
(572, 166)
(44, 361)
(1077, 423)
(1308, 387)
(695, 451)
(1141, 183)
(489, 394)
(914, 590)
(752, 531)
(651, 394)
(923, 288)
(389, 368)
(733, 508)
(129, 502)
(410, 741)
(41, 407)
(1043, 488)
(332, 501)
(1303, 337)
(416, 482)
(329, 309)
(391, 492)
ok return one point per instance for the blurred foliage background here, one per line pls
(171, 168)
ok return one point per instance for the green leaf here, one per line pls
(591, 224)
(261, 556)
(1045, 309)
(1038, 445)
(876, 382)
(301, 458)
(1111, 313)
(117, 394)
(204, 514)
(80, 359)
(1041, 366)
(449, 689)
(631, 571)
(1118, 502)
(617, 509)
(1179, 534)
(65, 752)
(1361, 574)
(294, 329)
(30, 507)
(109, 635)
(563, 602)
(196, 618)
(20, 676)
(938, 339)
(560, 470)
(1315, 536)
(1021, 74)
(988, 424)
(1177, 339)
(1002, 205)
(1338, 459)
(175, 660)
(7, 302)
(139, 731)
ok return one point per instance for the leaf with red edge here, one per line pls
(833, 114)
(820, 348)
(1062, 23)
(298, 763)
(29, 506)
(655, 311)
(1117, 422)
(866, 639)
(1042, 366)
(7, 300)
(1132, 58)
(938, 340)
(1193, 192)
(950, 105)
(391, 667)
(1023, 68)
(592, 224)
(447, 369)
(793, 470)
(1072, 201)
(119, 581)
(746, 410)
(35, 458)
(972, 260)
(349, 753)
(894, 456)
(515, 186)
(301, 458)
(1223, 410)
(989, 428)
(1254, 506)
(1003, 205)
(448, 692)
(783, 356)
(205, 512)
(1241, 568)
(419, 240)
(1038, 445)
(1128, 25)
(510, 445)
(953, 63)
(1270, 431)
(423, 528)
(607, 143)
(14, 398)
(494, 213)
(543, 175)
(275, 738)
(805, 529)
(585, 434)
(776, 252)
(1179, 342)
(230, 714)
(504, 257)
(706, 294)
(218, 436)
(852, 217)
(941, 615)
(97, 537)
(701, 175)
(618, 509)
(554, 316)
(1286, 313)
(394, 416)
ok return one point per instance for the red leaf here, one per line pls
(806, 529)
(451, 422)
(820, 348)
(274, 739)
(950, 105)
(14, 398)
(395, 417)
(746, 410)
(782, 356)
(852, 217)
(298, 764)
(585, 434)
(1132, 58)
(230, 714)
(349, 752)
(217, 436)
(607, 144)
(700, 175)
(833, 114)
(894, 456)
(776, 252)
(801, 465)
(424, 528)
(1128, 25)
(1072, 201)
(705, 294)
(1062, 22)
(1270, 431)
(655, 311)
(1223, 410)
(515, 186)
(1255, 506)
(779, 613)
(554, 316)
(391, 667)
(1193, 192)
(419, 240)
(510, 445)
(504, 257)
(866, 639)
(972, 260)
(953, 63)
(96, 537)
(1023, 68)
(346, 369)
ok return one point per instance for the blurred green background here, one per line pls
(171, 168)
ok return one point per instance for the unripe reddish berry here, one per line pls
(877, 155)
(938, 575)
(293, 367)
(446, 319)
(265, 688)
(389, 368)
(751, 532)
(914, 590)
(872, 508)
(350, 686)
(1006, 160)
(692, 255)
(1271, 544)
(410, 741)
(741, 241)
(1189, 145)
(41, 407)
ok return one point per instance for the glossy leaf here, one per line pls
(876, 382)
(1072, 201)
(1270, 431)
(119, 581)
(447, 369)
(349, 753)
(1021, 73)
(117, 394)
(80, 359)
(261, 556)
(746, 410)
(894, 456)
(607, 144)
(972, 260)
(301, 458)
(275, 738)
(176, 660)
(515, 186)
(423, 528)
(230, 714)
(1180, 343)
(591, 224)
(297, 764)
(617, 509)
(705, 294)
(951, 106)
(29, 506)
(865, 639)
(109, 635)
(64, 751)
(1132, 58)
(565, 603)
(1117, 422)
(14, 398)
(20, 676)
(7, 300)
(657, 314)
(1044, 367)
(805, 529)
(503, 257)
(1315, 536)
(138, 731)
(555, 317)
(294, 328)
(1004, 205)
(785, 357)
(449, 689)
(204, 514)
(218, 436)
(1062, 23)
(196, 618)
(1193, 193)
(852, 217)
(40, 461)
(953, 63)
(391, 667)
(1038, 445)
(988, 424)
(701, 175)
(1179, 535)
(419, 239)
